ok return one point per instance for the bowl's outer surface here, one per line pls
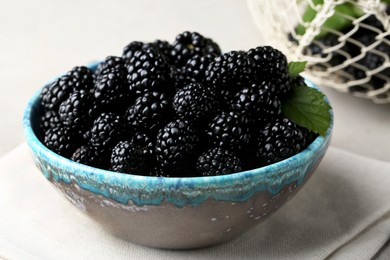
(176, 213)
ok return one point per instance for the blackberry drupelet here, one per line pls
(84, 76)
(50, 119)
(56, 92)
(229, 73)
(194, 102)
(229, 130)
(149, 111)
(257, 103)
(73, 111)
(109, 63)
(175, 144)
(60, 140)
(195, 67)
(279, 140)
(189, 44)
(272, 66)
(218, 161)
(132, 156)
(106, 130)
(87, 155)
(148, 71)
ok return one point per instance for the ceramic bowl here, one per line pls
(173, 213)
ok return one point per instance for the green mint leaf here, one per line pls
(307, 107)
(296, 67)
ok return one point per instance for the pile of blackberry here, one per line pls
(367, 33)
(176, 109)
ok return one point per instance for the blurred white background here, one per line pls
(41, 39)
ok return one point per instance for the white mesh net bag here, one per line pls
(346, 42)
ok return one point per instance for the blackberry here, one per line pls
(60, 140)
(86, 155)
(218, 161)
(189, 44)
(147, 71)
(355, 73)
(149, 111)
(195, 67)
(279, 140)
(157, 171)
(298, 81)
(316, 49)
(106, 130)
(229, 73)
(73, 111)
(110, 62)
(175, 144)
(56, 92)
(163, 47)
(194, 102)
(229, 130)
(83, 75)
(272, 66)
(372, 60)
(257, 103)
(111, 88)
(132, 156)
(131, 48)
(179, 78)
(50, 119)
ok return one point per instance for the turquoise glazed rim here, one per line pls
(146, 190)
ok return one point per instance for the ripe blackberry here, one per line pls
(189, 44)
(218, 161)
(149, 111)
(163, 47)
(110, 87)
(257, 103)
(373, 60)
(132, 156)
(279, 140)
(87, 155)
(131, 48)
(147, 71)
(157, 171)
(56, 92)
(106, 130)
(110, 62)
(174, 145)
(194, 102)
(272, 66)
(195, 67)
(178, 78)
(229, 130)
(83, 75)
(229, 73)
(60, 140)
(50, 119)
(73, 111)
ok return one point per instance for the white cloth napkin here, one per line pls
(343, 212)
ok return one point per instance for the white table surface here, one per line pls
(41, 39)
